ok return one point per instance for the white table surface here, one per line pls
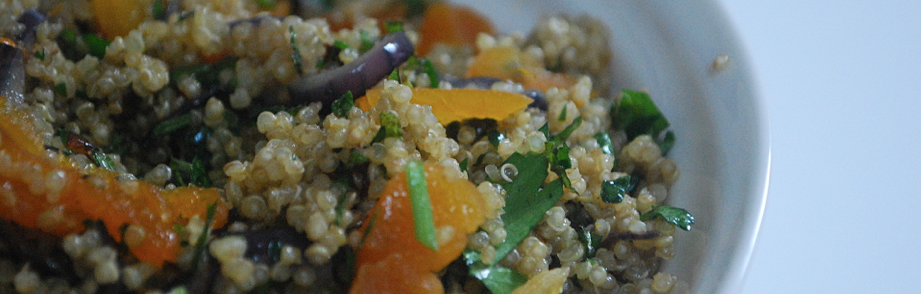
(842, 85)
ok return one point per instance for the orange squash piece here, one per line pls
(391, 259)
(509, 63)
(118, 17)
(47, 193)
(459, 104)
(450, 25)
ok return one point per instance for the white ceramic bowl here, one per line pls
(668, 48)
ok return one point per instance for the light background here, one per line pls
(842, 85)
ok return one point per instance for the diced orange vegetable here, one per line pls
(47, 193)
(509, 63)
(391, 259)
(451, 25)
(459, 104)
(118, 17)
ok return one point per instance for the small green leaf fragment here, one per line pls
(296, 54)
(604, 142)
(667, 142)
(498, 279)
(159, 9)
(673, 215)
(423, 221)
(590, 241)
(562, 136)
(393, 26)
(342, 105)
(390, 125)
(60, 89)
(340, 45)
(636, 114)
(96, 45)
(356, 158)
(367, 42)
(546, 130)
(562, 116)
(464, 163)
(614, 191)
(429, 69)
(103, 161)
(199, 174)
(40, 54)
(394, 75)
(495, 137)
(266, 4)
(172, 125)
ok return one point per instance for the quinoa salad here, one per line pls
(311, 146)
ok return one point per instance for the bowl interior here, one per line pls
(668, 48)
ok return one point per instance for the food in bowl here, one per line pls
(392, 146)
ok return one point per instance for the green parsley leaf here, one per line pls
(342, 105)
(673, 215)
(96, 45)
(562, 116)
(366, 42)
(102, 160)
(498, 279)
(296, 54)
(637, 114)
(172, 125)
(159, 9)
(356, 158)
(266, 4)
(429, 70)
(423, 221)
(394, 75)
(203, 237)
(667, 143)
(340, 45)
(604, 142)
(60, 89)
(390, 127)
(590, 240)
(40, 54)
(464, 163)
(546, 130)
(199, 174)
(393, 26)
(614, 191)
(526, 203)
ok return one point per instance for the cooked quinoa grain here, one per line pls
(192, 122)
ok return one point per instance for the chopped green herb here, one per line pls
(67, 41)
(173, 124)
(464, 163)
(414, 7)
(394, 75)
(614, 191)
(296, 54)
(203, 237)
(667, 143)
(673, 215)
(562, 116)
(208, 74)
(390, 127)
(274, 251)
(636, 114)
(429, 70)
(546, 130)
(96, 45)
(393, 26)
(604, 142)
(60, 89)
(340, 44)
(102, 160)
(159, 9)
(342, 105)
(199, 174)
(498, 279)
(366, 41)
(423, 221)
(178, 290)
(562, 136)
(356, 158)
(590, 240)
(526, 202)
(40, 54)
(495, 137)
(320, 63)
(266, 4)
